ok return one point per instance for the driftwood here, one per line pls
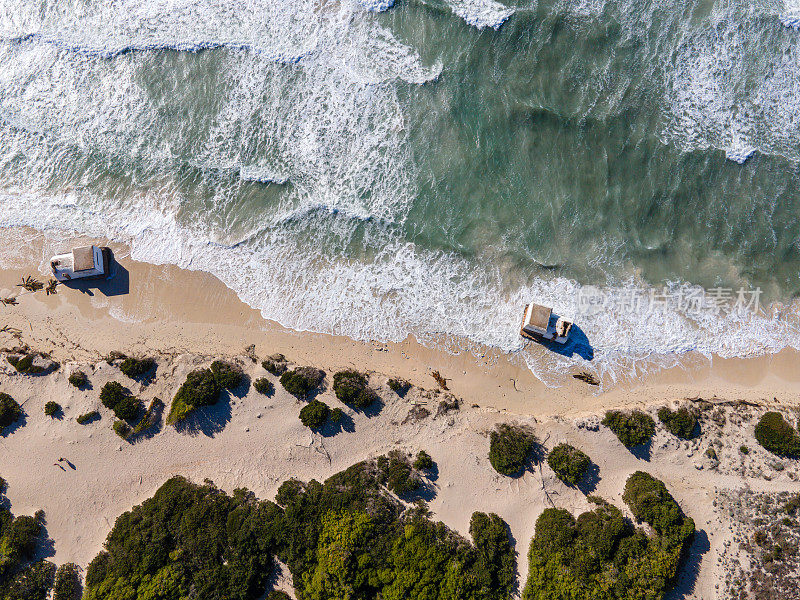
(587, 377)
(440, 380)
(31, 284)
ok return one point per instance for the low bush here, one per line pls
(34, 582)
(10, 411)
(398, 474)
(650, 502)
(122, 429)
(351, 387)
(315, 414)
(88, 417)
(337, 414)
(344, 538)
(67, 582)
(229, 376)
(24, 364)
(681, 423)
(600, 555)
(423, 461)
(399, 386)
(78, 379)
(568, 463)
(188, 541)
(509, 449)
(264, 386)
(301, 381)
(51, 408)
(199, 389)
(777, 436)
(633, 429)
(744, 450)
(128, 409)
(278, 595)
(275, 364)
(137, 367)
(151, 417)
(112, 393)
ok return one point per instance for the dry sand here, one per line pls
(188, 318)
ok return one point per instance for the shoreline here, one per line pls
(185, 319)
(168, 310)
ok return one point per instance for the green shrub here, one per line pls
(112, 393)
(264, 386)
(568, 463)
(88, 417)
(128, 408)
(199, 389)
(33, 582)
(496, 562)
(351, 387)
(337, 414)
(423, 461)
(632, 429)
(509, 449)
(122, 429)
(681, 423)
(744, 450)
(67, 582)
(314, 414)
(137, 367)
(24, 364)
(78, 379)
(598, 555)
(650, 502)
(278, 595)
(151, 417)
(397, 473)
(399, 386)
(10, 411)
(189, 541)
(777, 436)
(229, 376)
(344, 538)
(301, 381)
(275, 364)
(51, 408)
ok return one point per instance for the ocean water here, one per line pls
(379, 168)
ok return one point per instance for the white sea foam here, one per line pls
(481, 13)
(330, 124)
(734, 85)
(402, 289)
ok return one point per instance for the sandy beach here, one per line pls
(185, 319)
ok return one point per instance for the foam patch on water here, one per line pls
(481, 13)
(377, 5)
(734, 85)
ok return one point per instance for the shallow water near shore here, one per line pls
(428, 167)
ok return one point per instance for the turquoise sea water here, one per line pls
(427, 167)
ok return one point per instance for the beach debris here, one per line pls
(51, 287)
(114, 355)
(10, 301)
(417, 413)
(440, 380)
(587, 378)
(450, 403)
(31, 284)
(250, 352)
